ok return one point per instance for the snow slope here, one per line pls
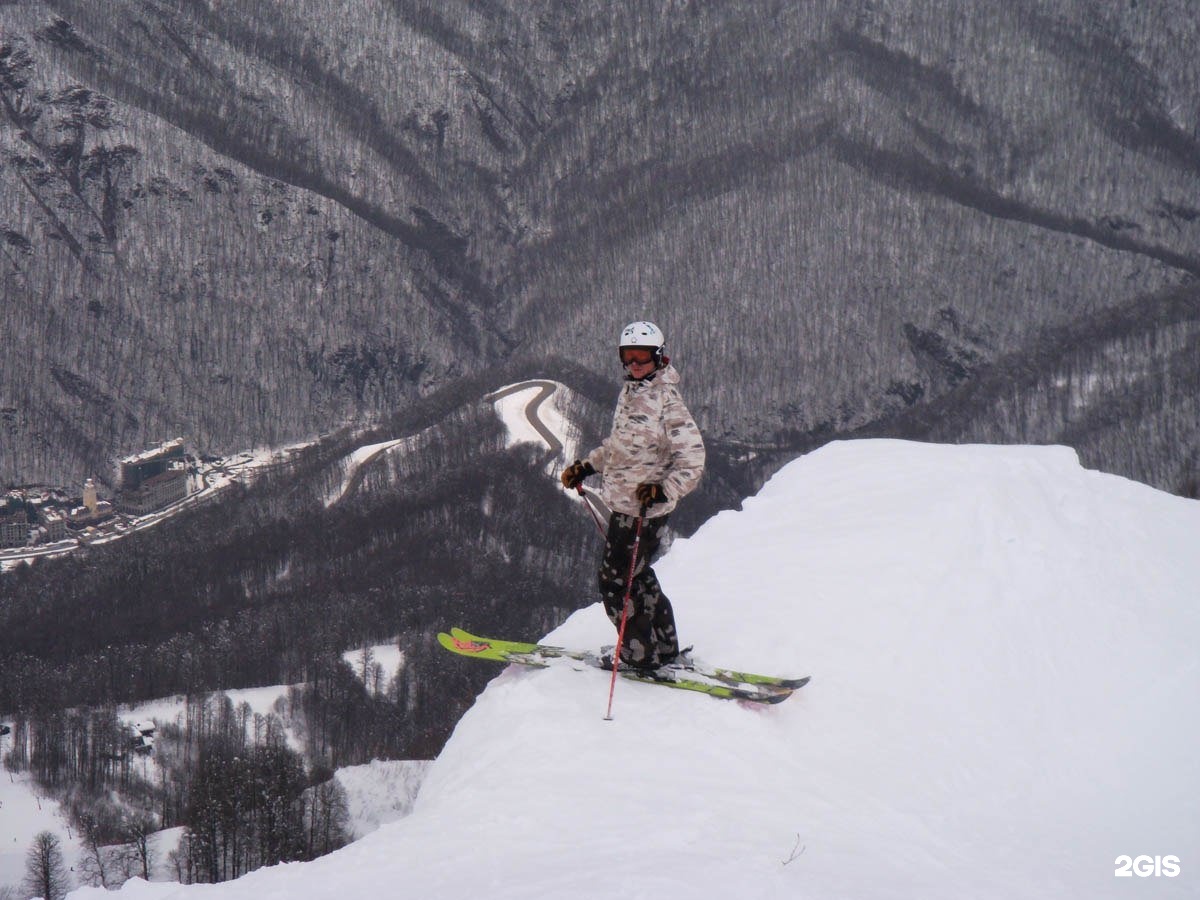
(381, 791)
(353, 463)
(23, 813)
(261, 700)
(387, 656)
(1004, 695)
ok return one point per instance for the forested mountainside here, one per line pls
(271, 582)
(251, 222)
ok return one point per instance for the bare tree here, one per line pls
(45, 872)
(93, 867)
(326, 815)
(376, 684)
(139, 831)
(365, 661)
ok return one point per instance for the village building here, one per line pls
(141, 737)
(149, 481)
(54, 524)
(153, 479)
(14, 529)
(155, 493)
(90, 500)
(94, 510)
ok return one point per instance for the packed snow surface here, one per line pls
(24, 812)
(381, 791)
(1004, 695)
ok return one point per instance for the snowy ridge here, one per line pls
(1003, 650)
(354, 462)
(518, 405)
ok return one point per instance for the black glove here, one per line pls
(573, 475)
(649, 494)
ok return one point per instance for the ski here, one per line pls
(722, 683)
(516, 652)
(729, 676)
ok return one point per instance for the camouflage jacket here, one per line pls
(653, 439)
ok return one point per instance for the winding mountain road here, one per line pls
(531, 410)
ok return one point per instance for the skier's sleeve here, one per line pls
(599, 456)
(687, 448)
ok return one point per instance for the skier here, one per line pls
(653, 457)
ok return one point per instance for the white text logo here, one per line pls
(1145, 866)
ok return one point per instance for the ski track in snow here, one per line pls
(353, 463)
(1005, 679)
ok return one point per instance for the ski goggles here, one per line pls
(636, 355)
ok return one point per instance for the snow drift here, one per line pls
(1004, 657)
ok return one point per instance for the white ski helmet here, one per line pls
(642, 334)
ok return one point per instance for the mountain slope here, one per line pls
(1003, 651)
(248, 221)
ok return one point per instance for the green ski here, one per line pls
(723, 683)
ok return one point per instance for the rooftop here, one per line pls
(164, 449)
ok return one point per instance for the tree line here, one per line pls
(268, 585)
(226, 774)
(257, 806)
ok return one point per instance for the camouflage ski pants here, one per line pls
(650, 638)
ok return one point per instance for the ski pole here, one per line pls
(637, 542)
(587, 501)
